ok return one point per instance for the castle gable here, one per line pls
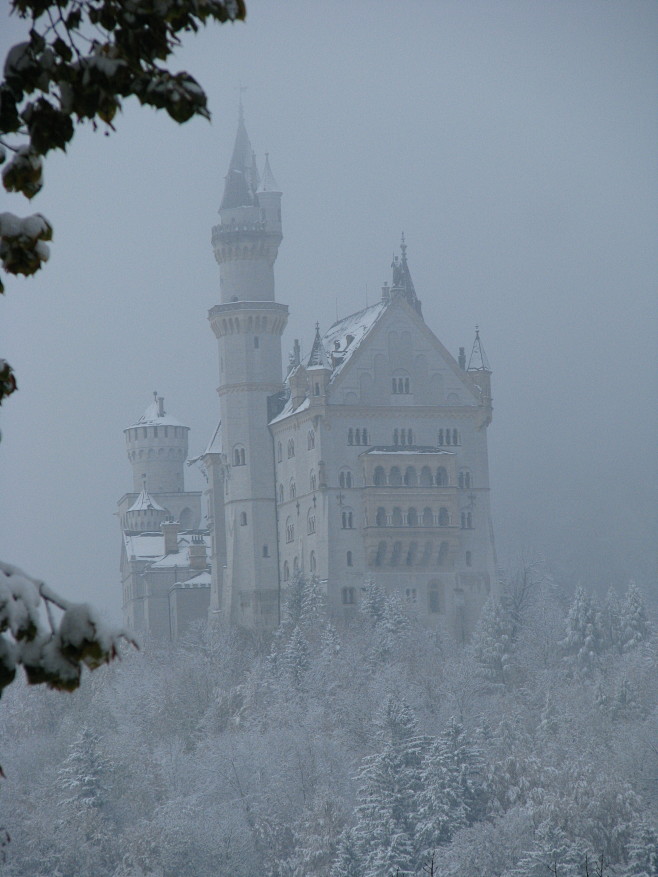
(392, 357)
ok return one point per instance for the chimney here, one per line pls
(161, 411)
(170, 530)
(197, 553)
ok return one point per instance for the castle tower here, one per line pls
(248, 324)
(157, 449)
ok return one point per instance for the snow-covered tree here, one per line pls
(584, 641)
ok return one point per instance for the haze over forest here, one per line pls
(515, 146)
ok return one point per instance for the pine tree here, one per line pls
(642, 854)
(584, 641)
(492, 644)
(635, 626)
(348, 861)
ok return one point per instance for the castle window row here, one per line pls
(151, 454)
(449, 437)
(357, 436)
(435, 597)
(401, 386)
(411, 477)
(397, 518)
(403, 437)
(411, 554)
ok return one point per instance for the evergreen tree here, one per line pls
(642, 857)
(635, 626)
(492, 644)
(584, 641)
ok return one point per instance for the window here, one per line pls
(400, 386)
(381, 554)
(397, 551)
(411, 553)
(310, 522)
(412, 518)
(350, 436)
(449, 437)
(435, 597)
(380, 519)
(316, 389)
(286, 571)
(357, 436)
(266, 551)
(428, 517)
(395, 478)
(295, 566)
(292, 489)
(239, 458)
(469, 559)
(396, 518)
(291, 448)
(411, 594)
(379, 476)
(313, 480)
(243, 519)
(348, 596)
(290, 530)
(441, 477)
(313, 561)
(279, 452)
(345, 478)
(280, 493)
(311, 439)
(349, 558)
(347, 520)
(444, 517)
(469, 521)
(256, 341)
(464, 480)
(410, 477)
(442, 559)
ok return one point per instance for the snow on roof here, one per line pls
(408, 449)
(287, 410)
(150, 547)
(155, 415)
(168, 561)
(215, 443)
(144, 502)
(356, 326)
(202, 580)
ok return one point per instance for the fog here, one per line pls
(513, 143)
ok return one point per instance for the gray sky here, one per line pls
(513, 142)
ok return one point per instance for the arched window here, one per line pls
(291, 448)
(440, 438)
(412, 517)
(286, 571)
(290, 530)
(316, 389)
(357, 436)
(395, 478)
(266, 551)
(311, 439)
(455, 437)
(279, 452)
(380, 520)
(310, 522)
(395, 555)
(428, 517)
(467, 479)
(396, 438)
(350, 436)
(410, 477)
(396, 517)
(280, 492)
(364, 436)
(347, 521)
(463, 520)
(379, 476)
(395, 386)
(243, 519)
(313, 480)
(295, 566)
(292, 489)
(426, 477)
(441, 477)
(469, 559)
(381, 554)
(448, 437)
(460, 480)
(435, 597)
(349, 558)
(348, 596)
(444, 517)
(411, 553)
(406, 385)
(469, 521)
(313, 562)
(442, 559)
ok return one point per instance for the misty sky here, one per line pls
(515, 145)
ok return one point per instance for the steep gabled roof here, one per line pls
(343, 339)
(318, 357)
(241, 182)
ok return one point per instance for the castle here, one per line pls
(369, 462)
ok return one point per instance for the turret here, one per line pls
(479, 369)
(318, 370)
(157, 449)
(145, 515)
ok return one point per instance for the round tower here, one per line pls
(145, 515)
(157, 449)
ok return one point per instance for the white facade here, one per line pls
(369, 463)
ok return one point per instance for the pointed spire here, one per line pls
(268, 183)
(402, 277)
(318, 353)
(242, 177)
(478, 360)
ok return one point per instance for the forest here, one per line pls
(364, 749)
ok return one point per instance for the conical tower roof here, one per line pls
(241, 181)
(318, 355)
(402, 277)
(478, 360)
(145, 502)
(268, 183)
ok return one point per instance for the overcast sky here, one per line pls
(515, 145)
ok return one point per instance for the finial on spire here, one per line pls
(478, 360)
(403, 248)
(241, 88)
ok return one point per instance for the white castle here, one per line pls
(367, 463)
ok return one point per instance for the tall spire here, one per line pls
(478, 360)
(268, 183)
(318, 353)
(402, 277)
(242, 177)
